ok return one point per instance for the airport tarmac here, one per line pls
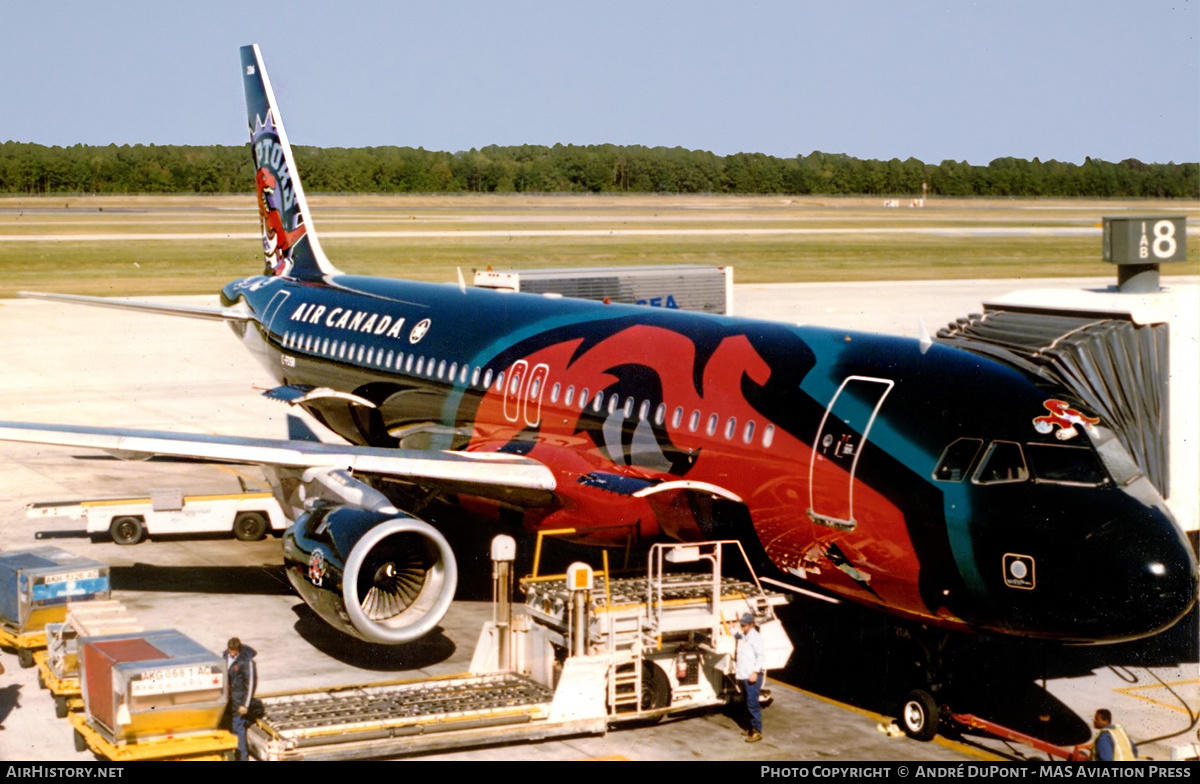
(90, 366)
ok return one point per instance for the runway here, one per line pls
(89, 366)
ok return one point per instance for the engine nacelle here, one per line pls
(384, 578)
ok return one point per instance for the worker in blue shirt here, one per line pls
(1112, 743)
(750, 672)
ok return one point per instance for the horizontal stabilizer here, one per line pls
(615, 483)
(295, 394)
(298, 430)
(236, 313)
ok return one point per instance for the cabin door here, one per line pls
(841, 436)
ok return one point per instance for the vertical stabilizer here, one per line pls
(290, 244)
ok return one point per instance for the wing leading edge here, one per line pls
(490, 475)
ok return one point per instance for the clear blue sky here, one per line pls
(953, 79)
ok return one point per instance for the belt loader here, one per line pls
(588, 652)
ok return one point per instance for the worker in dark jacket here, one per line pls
(243, 679)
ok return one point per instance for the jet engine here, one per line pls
(382, 577)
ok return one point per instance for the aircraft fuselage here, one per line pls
(861, 465)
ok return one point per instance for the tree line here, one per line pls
(604, 168)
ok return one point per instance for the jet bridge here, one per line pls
(586, 652)
(1131, 357)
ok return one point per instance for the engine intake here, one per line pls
(381, 578)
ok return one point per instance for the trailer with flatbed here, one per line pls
(247, 516)
(587, 652)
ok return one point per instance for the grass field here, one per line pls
(190, 245)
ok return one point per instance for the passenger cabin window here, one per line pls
(1002, 462)
(956, 461)
(1066, 465)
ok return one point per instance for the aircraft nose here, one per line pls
(1141, 575)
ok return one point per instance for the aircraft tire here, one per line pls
(919, 715)
(127, 530)
(250, 526)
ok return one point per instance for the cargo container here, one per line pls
(151, 684)
(35, 586)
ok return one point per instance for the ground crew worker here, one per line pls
(750, 673)
(243, 679)
(1111, 744)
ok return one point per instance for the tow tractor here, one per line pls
(587, 652)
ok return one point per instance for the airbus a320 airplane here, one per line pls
(930, 482)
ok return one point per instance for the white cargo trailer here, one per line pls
(692, 287)
(248, 516)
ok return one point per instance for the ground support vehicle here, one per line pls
(585, 654)
(66, 692)
(213, 745)
(248, 516)
(921, 718)
(694, 287)
(25, 644)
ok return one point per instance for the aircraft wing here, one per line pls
(236, 313)
(488, 474)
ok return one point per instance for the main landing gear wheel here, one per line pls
(919, 715)
(250, 526)
(127, 530)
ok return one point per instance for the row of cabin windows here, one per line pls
(597, 405)
(483, 377)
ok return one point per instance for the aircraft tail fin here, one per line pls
(290, 244)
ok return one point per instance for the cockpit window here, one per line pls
(1003, 462)
(1067, 465)
(956, 460)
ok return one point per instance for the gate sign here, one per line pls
(1149, 239)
